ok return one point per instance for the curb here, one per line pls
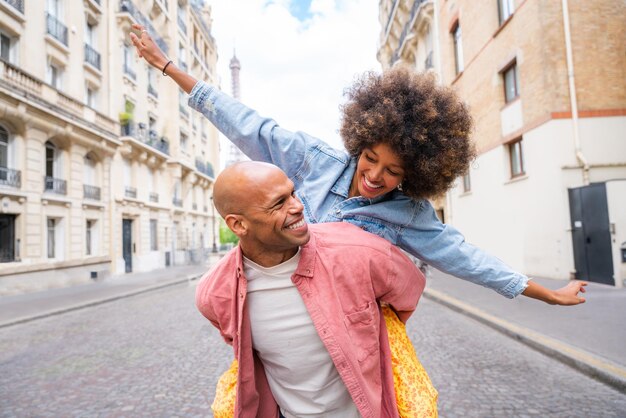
(583, 361)
(97, 302)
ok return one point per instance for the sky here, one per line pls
(297, 57)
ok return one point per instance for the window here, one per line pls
(128, 62)
(90, 34)
(184, 142)
(8, 48)
(505, 10)
(467, 183)
(89, 237)
(52, 223)
(89, 172)
(91, 97)
(54, 75)
(511, 83)
(4, 148)
(516, 158)
(153, 235)
(458, 48)
(54, 8)
(51, 159)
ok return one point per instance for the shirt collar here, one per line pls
(306, 266)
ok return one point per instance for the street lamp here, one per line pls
(214, 249)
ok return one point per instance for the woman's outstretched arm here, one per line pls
(150, 51)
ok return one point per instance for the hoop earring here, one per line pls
(399, 187)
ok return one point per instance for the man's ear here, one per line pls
(237, 224)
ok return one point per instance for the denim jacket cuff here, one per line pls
(199, 95)
(515, 287)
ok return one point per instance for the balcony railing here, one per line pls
(91, 192)
(204, 167)
(130, 192)
(181, 24)
(177, 202)
(154, 197)
(53, 185)
(92, 56)
(17, 4)
(128, 7)
(130, 72)
(57, 29)
(151, 138)
(10, 177)
(152, 91)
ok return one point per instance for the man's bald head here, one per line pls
(239, 184)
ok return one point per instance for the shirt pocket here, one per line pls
(363, 330)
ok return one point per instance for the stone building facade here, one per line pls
(103, 167)
(546, 84)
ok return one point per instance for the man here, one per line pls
(300, 304)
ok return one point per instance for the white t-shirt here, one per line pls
(299, 370)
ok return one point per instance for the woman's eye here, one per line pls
(393, 173)
(370, 159)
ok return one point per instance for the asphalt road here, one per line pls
(153, 355)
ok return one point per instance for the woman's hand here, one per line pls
(147, 48)
(567, 295)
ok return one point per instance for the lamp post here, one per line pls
(214, 249)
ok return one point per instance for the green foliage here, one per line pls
(226, 235)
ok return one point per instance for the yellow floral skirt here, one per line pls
(415, 394)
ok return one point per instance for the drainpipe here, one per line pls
(572, 94)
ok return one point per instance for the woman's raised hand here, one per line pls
(147, 48)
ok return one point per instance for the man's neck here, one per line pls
(265, 258)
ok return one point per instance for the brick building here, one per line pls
(546, 84)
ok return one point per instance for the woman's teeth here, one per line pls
(371, 185)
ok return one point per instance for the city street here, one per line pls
(154, 355)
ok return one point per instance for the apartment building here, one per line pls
(546, 84)
(103, 167)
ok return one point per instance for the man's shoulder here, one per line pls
(215, 281)
(344, 235)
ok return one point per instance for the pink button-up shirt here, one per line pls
(342, 276)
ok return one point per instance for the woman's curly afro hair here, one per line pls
(426, 125)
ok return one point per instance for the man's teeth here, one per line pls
(373, 186)
(296, 225)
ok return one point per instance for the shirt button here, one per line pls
(338, 212)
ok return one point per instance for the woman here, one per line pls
(407, 139)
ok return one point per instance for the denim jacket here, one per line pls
(322, 177)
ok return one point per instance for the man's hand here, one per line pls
(568, 295)
(147, 48)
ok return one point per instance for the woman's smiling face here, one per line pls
(378, 171)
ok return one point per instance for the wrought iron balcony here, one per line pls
(57, 29)
(91, 192)
(154, 197)
(177, 202)
(130, 192)
(204, 167)
(92, 56)
(10, 177)
(17, 4)
(53, 185)
(128, 7)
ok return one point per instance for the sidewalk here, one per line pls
(590, 337)
(30, 306)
